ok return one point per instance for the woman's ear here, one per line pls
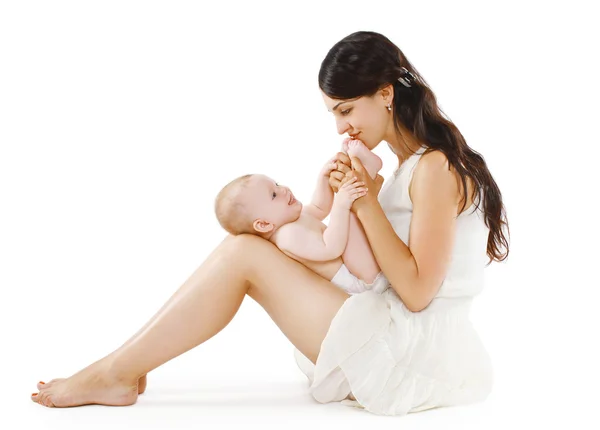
(387, 94)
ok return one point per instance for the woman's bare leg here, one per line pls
(299, 301)
(142, 382)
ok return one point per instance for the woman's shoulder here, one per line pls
(431, 166)
(432, 159)
(434, 171)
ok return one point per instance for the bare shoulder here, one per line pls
(289, 233)
(434, 171)
(433, 161)
(431, 171)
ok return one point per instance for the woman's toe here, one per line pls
(43, 399)
(48, 402)
(42, 385)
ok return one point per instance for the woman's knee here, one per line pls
(244, 248)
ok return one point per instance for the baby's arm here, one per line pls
(322, 199)
(311, 245)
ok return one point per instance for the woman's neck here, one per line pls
(403, 143)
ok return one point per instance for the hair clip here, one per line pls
(406, 78)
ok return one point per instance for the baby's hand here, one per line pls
(329, 167)
(350, 190)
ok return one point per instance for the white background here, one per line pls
(120, 121)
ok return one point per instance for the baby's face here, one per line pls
(271, 202)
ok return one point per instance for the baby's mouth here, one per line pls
(292, 200)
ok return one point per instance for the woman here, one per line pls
(435, 224)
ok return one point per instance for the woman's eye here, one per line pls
(346, 112)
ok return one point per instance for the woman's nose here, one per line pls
(342, 127)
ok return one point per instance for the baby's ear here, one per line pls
(262, 226)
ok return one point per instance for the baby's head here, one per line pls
(255, 204)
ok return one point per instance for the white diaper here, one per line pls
(352, 285)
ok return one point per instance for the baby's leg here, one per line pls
(358, 257)
(355, 148)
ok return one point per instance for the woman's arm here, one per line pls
(416, 271)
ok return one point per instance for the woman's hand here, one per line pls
(342, 162)
(373, 186)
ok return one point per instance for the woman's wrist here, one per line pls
(367, 212)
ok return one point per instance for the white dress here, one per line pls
(393, 361)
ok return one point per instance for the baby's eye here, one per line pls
(274, 194)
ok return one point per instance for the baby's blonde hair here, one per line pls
(230, 209)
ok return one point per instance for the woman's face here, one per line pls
(364, 118)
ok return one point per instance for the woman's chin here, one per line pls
(369, 146)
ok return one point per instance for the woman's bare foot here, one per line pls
(93, 385)
(142, 382)
(372, 163)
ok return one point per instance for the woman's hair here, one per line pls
(363, 63)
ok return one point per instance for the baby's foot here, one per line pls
(369, 159)
(345, 144)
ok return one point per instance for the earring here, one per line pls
(389, 107)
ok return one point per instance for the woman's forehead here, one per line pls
(333, 104)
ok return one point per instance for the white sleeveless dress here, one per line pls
(380, 356)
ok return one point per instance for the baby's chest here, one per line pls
(310, 224)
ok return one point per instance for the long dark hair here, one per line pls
(364, 62)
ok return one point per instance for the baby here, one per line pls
(258, 205)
